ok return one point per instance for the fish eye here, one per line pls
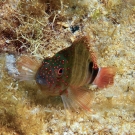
(60, 71)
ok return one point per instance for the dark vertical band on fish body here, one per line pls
(93, 72)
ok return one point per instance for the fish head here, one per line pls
(53, 75)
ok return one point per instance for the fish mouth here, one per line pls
(40, 79)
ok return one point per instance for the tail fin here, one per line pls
(25, 67)
(105, 77)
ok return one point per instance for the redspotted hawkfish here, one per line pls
(67, 74)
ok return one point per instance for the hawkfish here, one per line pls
(67, 74)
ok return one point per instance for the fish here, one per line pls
(68, 74)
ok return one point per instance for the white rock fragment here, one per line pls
(75, 126)
(126, 128)
(68, 133)
(35, 110)
(10, 65)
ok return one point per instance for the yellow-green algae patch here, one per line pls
(42, 28)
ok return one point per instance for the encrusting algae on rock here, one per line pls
(41, 28)
(67, 74)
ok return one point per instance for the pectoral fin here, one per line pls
(27, 67)
(76, 98)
